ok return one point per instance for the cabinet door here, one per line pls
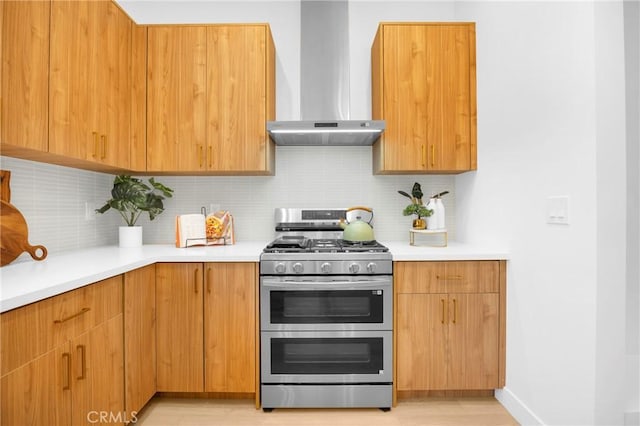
(237, 80)
(25, 73)
(408, 74)
(114, 87)
(139, 337)
(39, 392)
(176, 98)
(97, 372)
(421, 354)
(230, 327)
(180, 347)
(90, 82)
(426, 73)
(73, 77)
(473, 339)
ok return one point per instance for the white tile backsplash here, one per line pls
(325, 176)
(52, 198)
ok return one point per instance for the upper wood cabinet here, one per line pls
(72, 89)
(25, 74)
(90, 82)
(210, 91)
(176, 98)
(424, 87)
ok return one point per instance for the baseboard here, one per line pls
(517, 408)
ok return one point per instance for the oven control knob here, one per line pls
(371, 267)
(298, 268)
(354, 268)
(281, 268)
(325, 268)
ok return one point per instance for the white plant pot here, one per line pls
(130, 236)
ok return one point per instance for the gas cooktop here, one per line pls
(301, 244)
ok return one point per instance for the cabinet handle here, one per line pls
(66, 364)
(433, 155)
(455, 311)
(209, 280)
(209, 155)
(77, 314)
(443, 311)
(96, 144)
(195, 280)
(104, 146)
(200, 156)
(83, 361)
(424, 155)
(450, 277)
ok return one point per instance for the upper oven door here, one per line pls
(326, 303)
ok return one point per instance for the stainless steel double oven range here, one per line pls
(325, 315)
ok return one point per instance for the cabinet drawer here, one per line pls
(35, 329)
(447, 277)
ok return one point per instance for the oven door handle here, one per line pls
(327, 285)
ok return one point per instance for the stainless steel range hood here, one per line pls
(324, 83)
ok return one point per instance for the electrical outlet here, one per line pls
(89, 211)
(558, 210)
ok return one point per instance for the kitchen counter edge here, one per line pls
(29, 281)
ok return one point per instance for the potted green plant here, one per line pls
(130, 197)
(416, 207)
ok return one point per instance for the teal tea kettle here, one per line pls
(356, 229)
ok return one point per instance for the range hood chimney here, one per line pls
(324, 83)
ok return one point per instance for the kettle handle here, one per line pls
(360, 208)
(366, 209)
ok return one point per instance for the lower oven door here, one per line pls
(329, 357)
(326, 303)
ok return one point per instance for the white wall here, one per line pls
(611, 374)
(550, 100)
(632, 80)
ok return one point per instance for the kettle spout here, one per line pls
(342, 224)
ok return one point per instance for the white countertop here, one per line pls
(29, 281)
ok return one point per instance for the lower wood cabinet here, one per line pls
(230, 327)
(179, 304)
(206, 327)
(450, 331)
(139, 337)
(63, 357)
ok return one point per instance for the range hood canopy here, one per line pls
(324, 83)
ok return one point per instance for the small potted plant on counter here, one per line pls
(130, 197)
(416, 207)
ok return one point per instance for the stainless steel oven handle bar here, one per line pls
(331, 285)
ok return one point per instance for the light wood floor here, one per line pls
(181, 412)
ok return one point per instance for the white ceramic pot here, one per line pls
(130, 236)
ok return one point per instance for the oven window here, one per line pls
(326, 355)
(322, 307)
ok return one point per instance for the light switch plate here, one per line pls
(558, 210)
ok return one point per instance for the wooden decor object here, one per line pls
(14, 231)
